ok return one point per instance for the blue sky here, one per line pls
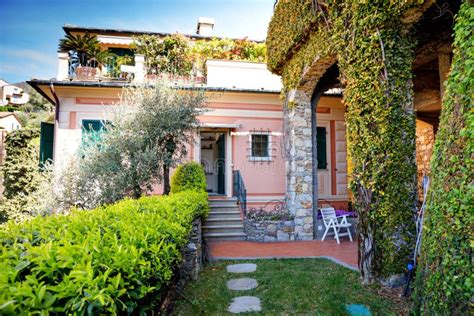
(30, 29)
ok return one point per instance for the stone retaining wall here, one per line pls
(188, 270)
(192, 253)
(269, 230)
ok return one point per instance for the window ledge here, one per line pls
(262, 159)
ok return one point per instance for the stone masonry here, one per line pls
(297, 129)
(269, 230)
(425, 138)
(192, 254)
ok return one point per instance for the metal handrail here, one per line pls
(239, 191)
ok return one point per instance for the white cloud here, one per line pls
(30, 55)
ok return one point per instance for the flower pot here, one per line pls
(85, 73)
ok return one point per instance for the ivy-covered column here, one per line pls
(375, 60)
(444, 283)
(298, 154)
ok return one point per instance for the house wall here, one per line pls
(264, 180)
(9, 123)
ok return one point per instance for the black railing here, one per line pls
(239, 191)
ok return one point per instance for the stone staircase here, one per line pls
(224, 221)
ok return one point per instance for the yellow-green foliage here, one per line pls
(376, 67)
(291, 25)
(374, 54)
(178, 54)
(112, 260)
(189, 176)
(21, 174)
(445, 284)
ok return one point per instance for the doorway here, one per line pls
(213, 160)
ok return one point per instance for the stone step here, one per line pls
(224, 236)
(225, 200)
(223, 206)
(223, 220)
(223, 228)
(224, 210)
(218, 214)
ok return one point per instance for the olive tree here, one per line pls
(144, 136)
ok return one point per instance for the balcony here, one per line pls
(223, 74)
(69, 69)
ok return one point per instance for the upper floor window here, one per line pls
(260, 147)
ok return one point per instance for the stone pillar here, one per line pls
(297, 129)
(63, 66)
(140, 69)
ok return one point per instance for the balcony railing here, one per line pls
(71, 69)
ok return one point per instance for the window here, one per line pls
(260, 147)
(321, 147)
(92, 130)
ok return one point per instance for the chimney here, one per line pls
(205, 26)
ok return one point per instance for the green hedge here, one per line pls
(114, 259)
(188, 176)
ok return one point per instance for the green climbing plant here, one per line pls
(177, 54)
(444, 283)
(374, 51)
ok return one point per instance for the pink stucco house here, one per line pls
(240, 136)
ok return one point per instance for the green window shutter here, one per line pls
(46, 142)
(321, 143)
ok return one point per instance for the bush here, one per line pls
(21, 175)
(188, 176)
(114, 259)
(21, 162)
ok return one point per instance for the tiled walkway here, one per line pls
(345, 253)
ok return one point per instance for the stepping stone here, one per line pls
(242, 284)
(358, 310)
(245, 304)
(242, 268)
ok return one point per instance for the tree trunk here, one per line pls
(166, 179)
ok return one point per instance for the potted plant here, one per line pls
(86, 54)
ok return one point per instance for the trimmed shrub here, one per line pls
(188, 176)
(112, 260)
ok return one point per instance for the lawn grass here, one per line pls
(285, 286)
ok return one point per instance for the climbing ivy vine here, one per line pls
(445, 284)
(374, 52)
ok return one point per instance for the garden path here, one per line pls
(243, 304)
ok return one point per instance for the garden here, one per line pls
(87, 237)
(289, 286)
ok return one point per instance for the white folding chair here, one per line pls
(331, 221)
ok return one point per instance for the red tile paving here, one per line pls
(346, 252)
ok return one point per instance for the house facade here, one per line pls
(242, 131)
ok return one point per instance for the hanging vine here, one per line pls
(374, 52)
(444, 284)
